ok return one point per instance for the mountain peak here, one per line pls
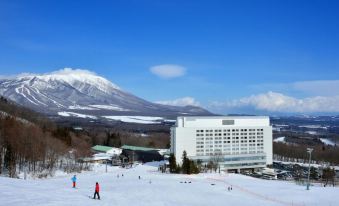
(82, 91)
(71, 76)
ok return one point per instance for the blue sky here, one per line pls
(233, 56)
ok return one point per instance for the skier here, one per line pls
(74, 180)
(139, 177)
(97, 189)
(117, 175)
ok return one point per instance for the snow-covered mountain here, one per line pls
(81, 91)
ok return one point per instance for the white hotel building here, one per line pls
(238, 142)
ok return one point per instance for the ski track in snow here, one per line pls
(55, 102)
(29, 93)
(17, 90)
(255, 194)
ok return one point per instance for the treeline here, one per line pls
(296, 152)
(36, 147)
(194, 167)
(117, 138)
(305, 139)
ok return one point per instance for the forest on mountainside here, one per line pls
(33, 143)
(30, 142)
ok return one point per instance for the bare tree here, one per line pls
(216, 158)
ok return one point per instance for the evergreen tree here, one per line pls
(185, 168)
(172, 164)
(194, 169)
(178, 169)
(188, 166)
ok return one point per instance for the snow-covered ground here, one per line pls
(136, 119)
(313, 126)
(78, 107)
(311, 132)
(109, 107)
(327, 141)
(73, 114)
(279, 139)
(159, 189)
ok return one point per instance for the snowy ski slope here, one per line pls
(159, 189)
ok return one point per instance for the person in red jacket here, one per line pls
(97, 189)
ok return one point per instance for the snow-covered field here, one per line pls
(159, 189)
(327, 141)
(128, 119)
(136, 119)
(279, 139)
(78, 107)
(73, 114)
(313, 126)
(109, 107)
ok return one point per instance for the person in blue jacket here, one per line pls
(74, 180)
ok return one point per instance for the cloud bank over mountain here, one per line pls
(274, 102)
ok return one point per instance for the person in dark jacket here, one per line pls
(97, 189)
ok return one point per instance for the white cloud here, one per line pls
(277, 102)
(68, 71)
(168, 71)
(185, 101)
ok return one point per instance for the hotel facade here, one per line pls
(235, 142)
